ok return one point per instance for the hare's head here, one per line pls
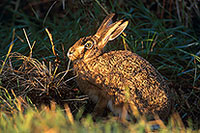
(89, 47)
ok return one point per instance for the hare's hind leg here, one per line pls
(119, 110)
(124, 113)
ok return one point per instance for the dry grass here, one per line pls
(24, 76)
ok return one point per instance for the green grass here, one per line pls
(55, 119)
(171, 44)
(52, 121)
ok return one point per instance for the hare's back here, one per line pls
(124, 68)
(129, 65)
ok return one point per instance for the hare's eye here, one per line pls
(88, 45)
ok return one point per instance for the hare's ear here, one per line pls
(106, 22)
(111, 32)
(117, 29)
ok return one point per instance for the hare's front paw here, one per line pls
(100, 107)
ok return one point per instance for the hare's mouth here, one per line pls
(71, 57)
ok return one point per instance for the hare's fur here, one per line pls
(119, 79)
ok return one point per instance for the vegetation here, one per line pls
(37, 88)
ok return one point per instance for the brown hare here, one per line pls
(118, 79)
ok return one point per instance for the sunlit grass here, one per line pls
(55, 119)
